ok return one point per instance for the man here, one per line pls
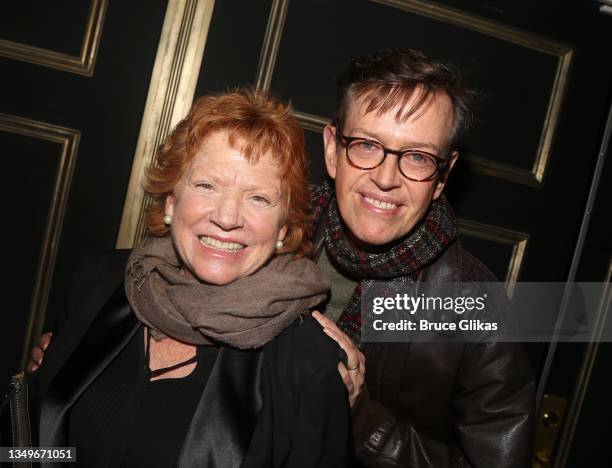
(389, 152)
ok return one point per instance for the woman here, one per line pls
(194, 349)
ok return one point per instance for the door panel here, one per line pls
(75, 77)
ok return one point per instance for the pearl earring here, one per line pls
(167, 220)
(279, 245)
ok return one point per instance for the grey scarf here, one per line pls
(246, 313)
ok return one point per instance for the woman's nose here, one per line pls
(228, 213)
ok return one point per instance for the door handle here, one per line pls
(548, 425)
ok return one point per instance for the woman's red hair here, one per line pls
(259, 123)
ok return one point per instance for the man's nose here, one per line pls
(228, 213)
(387, 175)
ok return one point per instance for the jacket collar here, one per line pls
(110, 331)
(226, 413)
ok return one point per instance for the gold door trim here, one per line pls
(171, 91)
(83, 64)
(531, 177)
(534, 176)
(518, 240)
(479, 24)
(269, 51)
(311, 122)
(68, 139)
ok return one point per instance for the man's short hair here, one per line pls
(390, 77)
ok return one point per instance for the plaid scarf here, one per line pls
(401, 263)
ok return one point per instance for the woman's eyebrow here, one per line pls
(219, 179)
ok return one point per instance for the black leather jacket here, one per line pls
(280, 405)
(445, 404)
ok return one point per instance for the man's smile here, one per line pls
(379, 203)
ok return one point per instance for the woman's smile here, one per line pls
(223, 245)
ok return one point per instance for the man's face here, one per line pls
(381, 205)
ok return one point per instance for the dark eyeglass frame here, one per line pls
(441, 163)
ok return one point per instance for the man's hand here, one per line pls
(38, 352)
(354, 374)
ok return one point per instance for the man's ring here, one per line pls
(353, 368)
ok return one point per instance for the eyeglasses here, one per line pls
(415, 165)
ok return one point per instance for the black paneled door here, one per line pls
(75, 76)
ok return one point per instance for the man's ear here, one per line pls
(330, 146)
(442, 180)
(169, 206)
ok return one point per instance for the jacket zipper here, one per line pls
(20, 420)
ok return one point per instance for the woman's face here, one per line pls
(227, 213)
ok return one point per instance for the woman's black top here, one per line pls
(124, 419)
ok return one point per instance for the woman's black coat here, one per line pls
(280, 405)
